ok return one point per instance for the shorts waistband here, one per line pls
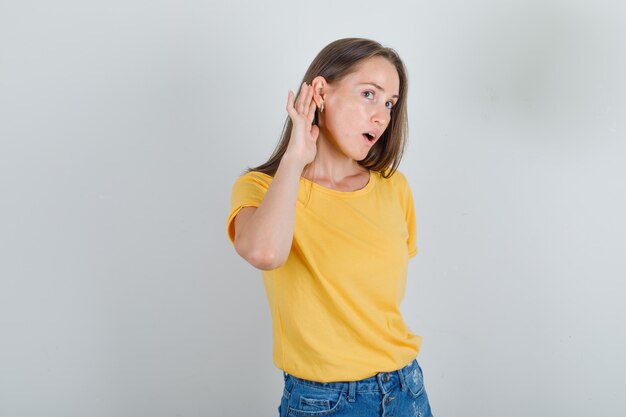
(382, 381)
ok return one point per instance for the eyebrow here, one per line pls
(381, 89)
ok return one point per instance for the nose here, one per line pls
(381, 115)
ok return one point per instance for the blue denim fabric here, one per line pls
(399, 393)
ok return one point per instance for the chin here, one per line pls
(361, 157)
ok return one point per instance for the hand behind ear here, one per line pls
(302, 142)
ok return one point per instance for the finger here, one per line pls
(299, 102)
(289, 107)
(290, 99)
(306, 99)
(311, 111)
(315, 132)
(309, 98)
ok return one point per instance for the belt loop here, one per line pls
(351, 391)
(402, 380)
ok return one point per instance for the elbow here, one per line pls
(261, 258)
(265, 260)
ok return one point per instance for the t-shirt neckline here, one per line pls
(360, 191)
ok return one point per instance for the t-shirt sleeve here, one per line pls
(409, 216)
(248, 191)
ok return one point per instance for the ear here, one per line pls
(319, 90)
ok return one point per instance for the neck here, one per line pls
(330, 163)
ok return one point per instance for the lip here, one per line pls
(368, 142)
(374, 132)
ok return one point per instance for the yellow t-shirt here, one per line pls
(335, 302)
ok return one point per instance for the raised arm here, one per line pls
(264, 234)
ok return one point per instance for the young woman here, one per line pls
(330, 221)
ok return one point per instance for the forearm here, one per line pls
(266, 238)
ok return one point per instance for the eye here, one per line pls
(368, 94)
(389, 105)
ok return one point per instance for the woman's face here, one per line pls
(358, 108)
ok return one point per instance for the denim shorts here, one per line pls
(398, 393)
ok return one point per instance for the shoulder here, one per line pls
(396, 180)
(257, 178)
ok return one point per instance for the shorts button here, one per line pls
(386, 377)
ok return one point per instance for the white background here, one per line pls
(123, 125)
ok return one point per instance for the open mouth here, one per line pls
(369, 136)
